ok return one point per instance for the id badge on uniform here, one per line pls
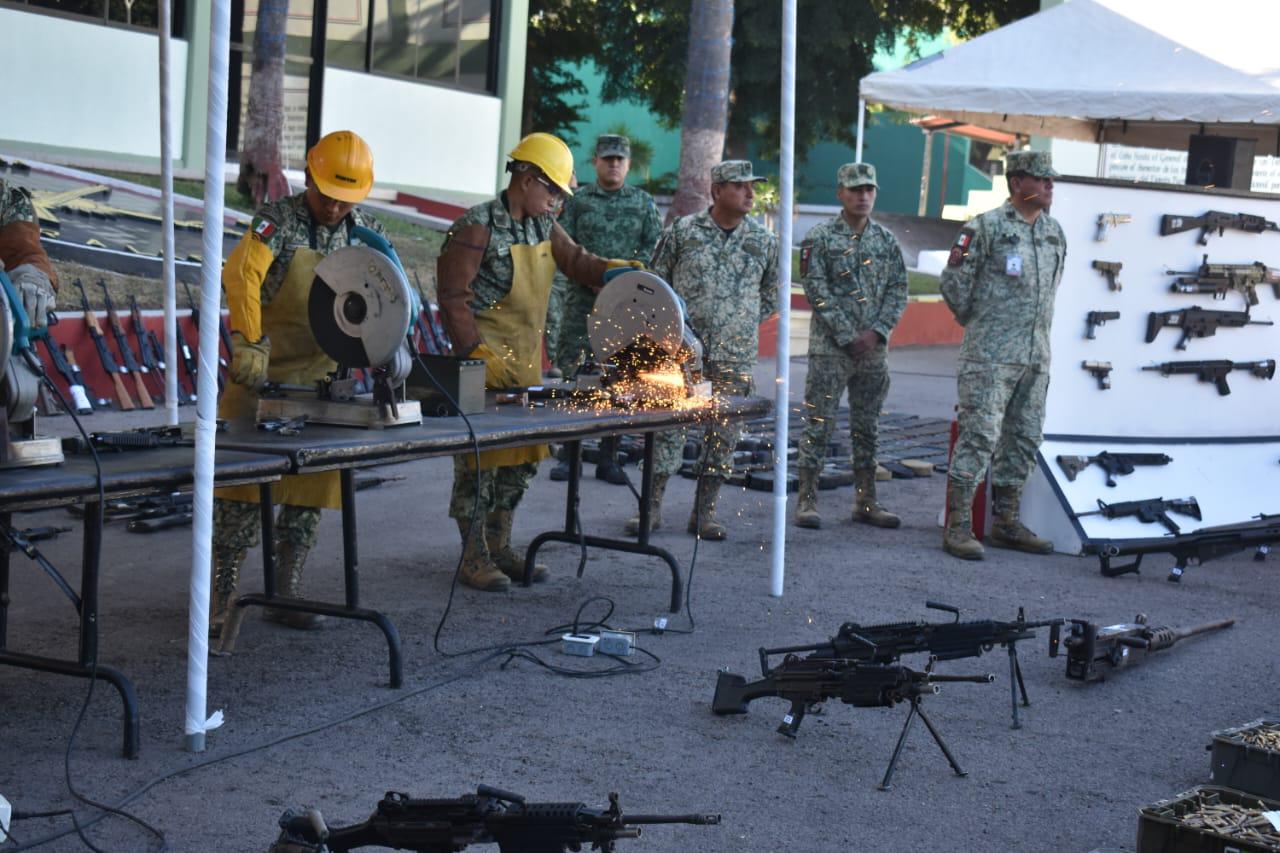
(1013, 265)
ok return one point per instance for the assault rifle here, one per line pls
(188, 361)
(1197, 322)
(223, 332)
(152, 358)
(1089, 646)
(806, 682)
(78, 396)
(104, 354)
(889, 641)
(489, 816)
(1214, 220)
(70, 357)
(1218, 279)
(130, 366)
(1148, 511)
(1216, 371)
(1114, 464)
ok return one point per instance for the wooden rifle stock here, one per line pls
(129, 365)
(104, 354)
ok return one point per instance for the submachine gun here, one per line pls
(888, 642)
(489, 816)
(1091, 648)
(809, 681)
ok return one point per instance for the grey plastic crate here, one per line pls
(1233, 763)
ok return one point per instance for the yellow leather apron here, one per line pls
(296, 358)
(513, 329)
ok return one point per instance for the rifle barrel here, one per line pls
(1183, 633)
(696, 819)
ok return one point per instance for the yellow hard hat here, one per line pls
(550, 154)
(341, 164)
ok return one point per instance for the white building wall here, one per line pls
(78, 85)
(422, 136)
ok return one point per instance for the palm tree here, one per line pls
(706, 103)
(261, 174)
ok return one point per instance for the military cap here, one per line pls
(733, 170)
(612, 145)
(1037, 164)
(852, 175)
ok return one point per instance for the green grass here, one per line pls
(918, 283)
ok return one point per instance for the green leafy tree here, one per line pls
(641, 47)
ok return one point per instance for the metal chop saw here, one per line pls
(20, 373)
(361, 308)
(645, 350)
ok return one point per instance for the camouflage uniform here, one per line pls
(23, 255)
(15, 204)
(236, 523)
(729, 283)
(1000, 282)
(499, 488)
(621, 223)
(854, 282)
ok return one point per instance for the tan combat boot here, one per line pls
(497, 536)
(957, 538)
(1007, 530)
(655, 507)
(702, 521)
(289, 561)
(226, 576)
(807, 501)
(865, 508)
(478, 569)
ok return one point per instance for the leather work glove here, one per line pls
(36, 292)
(497, 373)
(249, 361)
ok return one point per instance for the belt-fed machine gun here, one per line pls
(21, 374)
(361, 310)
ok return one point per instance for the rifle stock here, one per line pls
(104, 354)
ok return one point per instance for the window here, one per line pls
(448, 42)
(134, 14)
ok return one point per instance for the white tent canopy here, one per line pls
(1132, 72)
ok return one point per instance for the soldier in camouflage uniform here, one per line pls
(22, 255)
(268, 281)
(613, 220)
(856, 282)
(725, 267)
(494, 279)
(1000, 282)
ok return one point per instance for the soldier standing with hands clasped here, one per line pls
(856, 282)
(1000, 282)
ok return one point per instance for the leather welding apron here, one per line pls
(513, 329)
(296, 359)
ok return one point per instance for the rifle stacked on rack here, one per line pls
(130, 366)
(104, 353)
(223, 333)
(72, 377)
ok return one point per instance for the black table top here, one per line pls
(318, 448)
(134, 472)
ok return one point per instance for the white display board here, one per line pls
(1225, 449)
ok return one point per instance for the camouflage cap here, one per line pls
(1037, 164)
(733, 170)
(852, 175)
(612, 145)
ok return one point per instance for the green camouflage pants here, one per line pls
(237, 527)
(719, 439)
(498, 488)
(867, 380)
(555, 317)
(572, 344)
(1001, 414)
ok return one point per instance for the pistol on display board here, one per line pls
(1107, 221)
(1094, 319)
(1101, 371)
(1111, 272)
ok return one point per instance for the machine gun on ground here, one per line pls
(808, 681)
(1214, 220)
(1089, 646)
(888, 642)
(489, 816)
(1207, 543)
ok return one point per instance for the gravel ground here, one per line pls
(1071, 780)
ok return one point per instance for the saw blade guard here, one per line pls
(360, 307)
(638, 307)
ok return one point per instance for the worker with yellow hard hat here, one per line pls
(268, 281)
(494, 281)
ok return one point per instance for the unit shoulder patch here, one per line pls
(806, 252)
(960, 250)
